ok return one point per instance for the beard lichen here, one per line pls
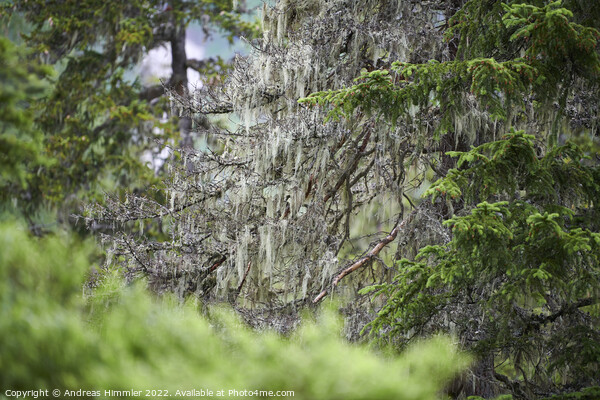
(278, 202)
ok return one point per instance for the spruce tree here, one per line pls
(342, 117)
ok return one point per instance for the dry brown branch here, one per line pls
(152, 92)
(239, 289)
(363, 261)
(217, 264)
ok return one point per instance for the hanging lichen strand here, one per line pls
(292, 196)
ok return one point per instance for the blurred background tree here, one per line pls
(21, 149)
(104, 129)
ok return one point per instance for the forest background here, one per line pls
(425, 167)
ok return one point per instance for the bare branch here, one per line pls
(239, 289)
(365, 260)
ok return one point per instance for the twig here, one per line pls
(217, 264)
(133, 253)
(239, 289)
(352, 167)
(364, 260)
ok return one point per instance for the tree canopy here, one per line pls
(433, 166)
(349, 113)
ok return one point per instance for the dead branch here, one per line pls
(217, 264)
(152, 92)
(239, 289)
(363, 261)
(352, 167)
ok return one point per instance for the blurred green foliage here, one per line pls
(119, 337)
(99, 125)
(591, 393)
(21, 83)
